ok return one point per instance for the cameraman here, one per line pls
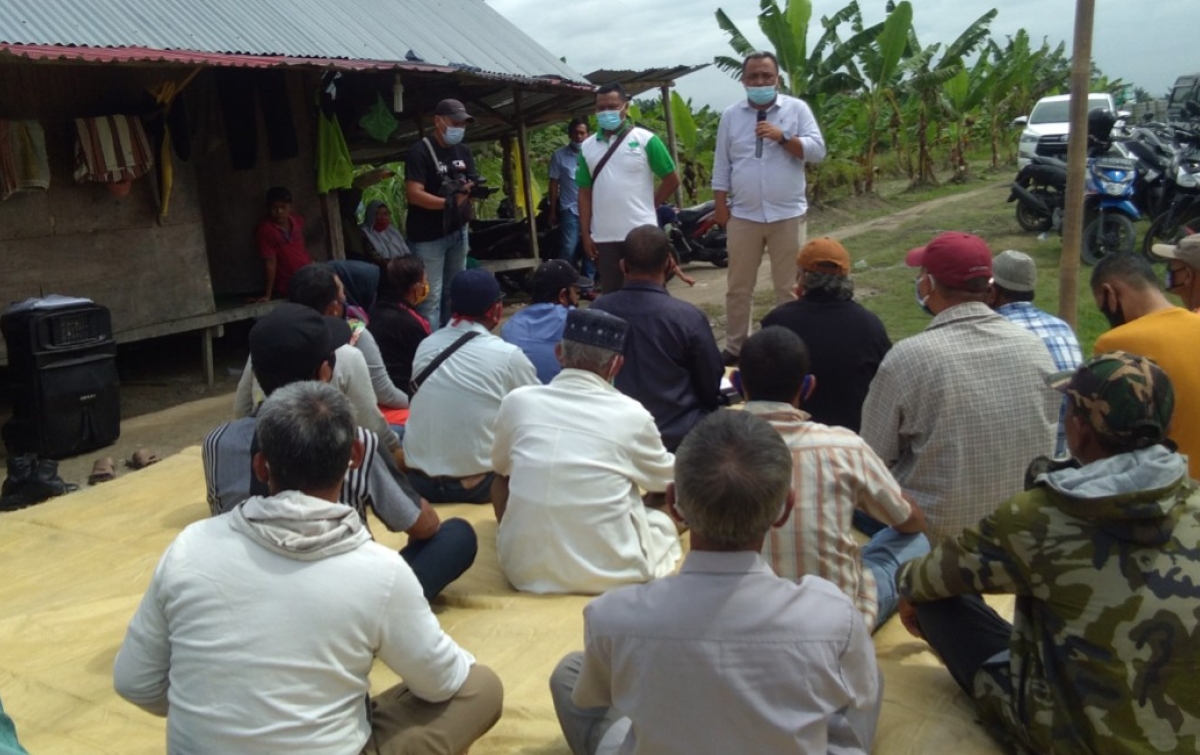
(438, 182)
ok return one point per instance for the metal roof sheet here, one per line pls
(465, 34)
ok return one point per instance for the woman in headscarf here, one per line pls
(381, 239)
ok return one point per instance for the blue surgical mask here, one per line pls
(609, 120)
(922, 302)
(760, 95)
(454, 134)
(576, 146)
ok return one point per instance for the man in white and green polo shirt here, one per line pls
(622, 196)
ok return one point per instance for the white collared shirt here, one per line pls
(768, 188)
(727, 657)
(577, 450)
(449, 430)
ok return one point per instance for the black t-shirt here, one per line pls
(456, 160)
(846, 343)
(398, 330)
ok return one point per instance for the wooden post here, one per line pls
(671, 143)
(1072, 238)
(333, 224)
(526, 175)
(506, 170)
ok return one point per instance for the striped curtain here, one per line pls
(111, 149)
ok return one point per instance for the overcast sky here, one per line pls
(1144, 43)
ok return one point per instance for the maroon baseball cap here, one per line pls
(953, 258)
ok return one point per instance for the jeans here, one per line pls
(883, 555)
(444, 258)
(451, 489)
(969, 637)
(442, 558)
(569, 248)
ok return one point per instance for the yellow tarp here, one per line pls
(73, 570)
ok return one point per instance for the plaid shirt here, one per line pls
(1064, 349)
(833, 472)
(959, 411)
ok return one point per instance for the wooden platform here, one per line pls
(73, 570)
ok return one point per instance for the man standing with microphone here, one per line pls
(758, 184)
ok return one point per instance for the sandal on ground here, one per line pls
(142, 458)
(103, 470)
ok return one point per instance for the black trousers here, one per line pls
(965, 632)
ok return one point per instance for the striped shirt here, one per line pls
(958, 412)
(833, 472)
(229, 479)
(1063, 346)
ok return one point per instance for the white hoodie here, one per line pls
(258, 631)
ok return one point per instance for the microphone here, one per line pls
(762, 116)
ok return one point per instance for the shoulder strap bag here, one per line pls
(415, 384)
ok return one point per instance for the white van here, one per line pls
(1046, 128)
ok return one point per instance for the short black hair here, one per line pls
(576, 122)
(1131, 269)
(1013, 295)
(313, 286)
(773, 363)
(760, 55)
(401, 274)
(278, 194)
(646, 249)
(612, 86)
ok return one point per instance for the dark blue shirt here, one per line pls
(672, 363)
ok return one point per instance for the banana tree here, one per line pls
(879, 63)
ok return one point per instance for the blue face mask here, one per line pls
(923, 303)
(760, 95)
(454, 134)
(609, 120)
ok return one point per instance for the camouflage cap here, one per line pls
(1127, 398)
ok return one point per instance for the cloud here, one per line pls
(1133, 43)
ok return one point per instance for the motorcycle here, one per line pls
(694, 234)
(1180, 204)
(1040, 191)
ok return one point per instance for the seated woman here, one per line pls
(394, 320)
(381, 239)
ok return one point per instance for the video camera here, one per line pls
(455, 183)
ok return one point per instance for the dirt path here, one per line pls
(176, 426)
(709, 291)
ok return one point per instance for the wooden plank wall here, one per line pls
(80, 240)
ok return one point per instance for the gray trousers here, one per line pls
(582, 727)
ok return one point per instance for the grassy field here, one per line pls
(885, 285)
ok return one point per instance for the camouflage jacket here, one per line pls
(1105, 563)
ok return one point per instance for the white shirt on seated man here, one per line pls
(570, 458)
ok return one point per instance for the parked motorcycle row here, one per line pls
(1133, 172)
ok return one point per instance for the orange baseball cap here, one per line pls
(824, 255)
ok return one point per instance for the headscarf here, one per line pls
(387, 243)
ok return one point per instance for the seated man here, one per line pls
(1103, 554)
(317, 287)
(724, 657)
(846, 340)
(294, 343)
(673, 365)
(834, 472)
(538, 328)
(569, 459)
(461, 373)
(258, 629)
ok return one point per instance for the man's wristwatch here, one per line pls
(784, 138)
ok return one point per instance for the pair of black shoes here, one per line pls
(31, 480)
